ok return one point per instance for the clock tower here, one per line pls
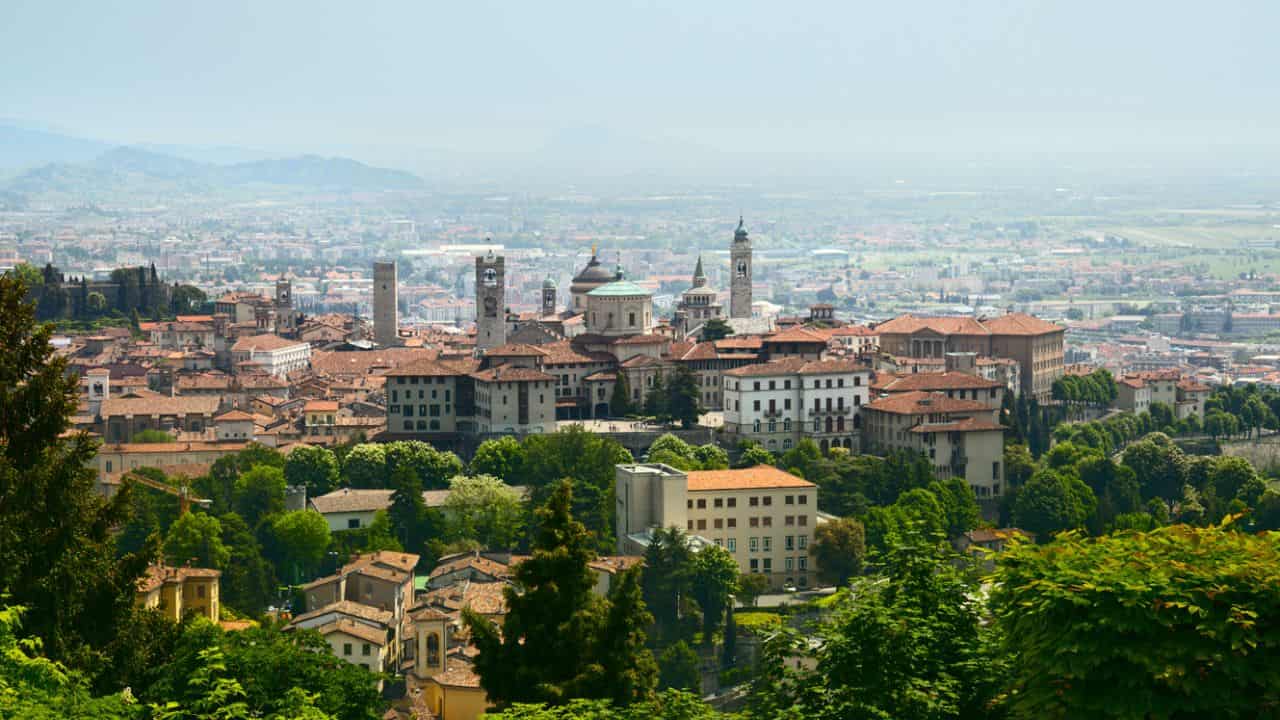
(491, 308)
(740, 267)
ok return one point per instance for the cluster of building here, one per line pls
(258, 370)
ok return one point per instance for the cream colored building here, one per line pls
(777, 403)
(514, 400)
(961, 438)
(180, 591)
(763, 516)
(619, 308)
(273, 354)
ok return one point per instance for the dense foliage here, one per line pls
(1179, 622)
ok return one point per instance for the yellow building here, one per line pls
(178, 591)
(442, 683)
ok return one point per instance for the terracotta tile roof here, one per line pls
(748, 342)
(346, 607)
(1132, 382)
(458, 675)
(601, 375)
(159, 405)
(637, 361)
(320, 406)
(935, 381)
(1189, 385)
(908, 324)
(797, 366)
(923, 403)
(426, 368)
(234, 416)
(486, 598)
(515, 350)
(473, 561)
(355, 629)
(158, 575)
(503, 373)
(265, 343)
(760, 477)
(364, 362)
(1020, 324)
(797, 334)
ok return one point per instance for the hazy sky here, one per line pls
(780, 76)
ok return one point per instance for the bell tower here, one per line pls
(740, 267)
(548, 297)
(491, 320)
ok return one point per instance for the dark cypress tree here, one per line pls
(57, 552)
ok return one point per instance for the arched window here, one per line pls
(755, 427)
(840, 424)
(433, 649)
(828, 424)
(786, 425)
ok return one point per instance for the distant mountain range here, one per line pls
(42, 162)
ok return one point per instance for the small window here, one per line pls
(346, 649)
(753, 501)
(768, 500)
(789, 500)
(733, 502)
(754, 544)
(804, 499)
(702, 524)
(719, 502)
(733, 522)
(353, 523)
(702, 503)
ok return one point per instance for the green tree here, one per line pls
(668, 705)
(680, 668)
(37, 688)
(259, 493)
(716, 329)
(1158, 464)
(1051, 502)
(754, 454)
(433, 467)
(196, 538)
(500, 457)
(96, 302)
(1200, 602)
(482, 508)
(683, 399)
(408, 511)
(57, 551)
(620, 399)
(312, 467)
(1018, 465)
(627, 671)
(839, 547)
(366, 466)
(752, 585)
(715, 580)
(667, 578)
(187, 300)
(248, 581)
(907, 644)
(303, 536)
(546, 647)
(588, 460)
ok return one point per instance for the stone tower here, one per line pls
(286, 320)
(386, 315)
(548, 297)
(491, 298)
(740, 266)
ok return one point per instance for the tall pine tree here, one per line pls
(57, 554)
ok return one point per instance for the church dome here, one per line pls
(548, 284)
(594, 272)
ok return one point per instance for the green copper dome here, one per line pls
(619, 288)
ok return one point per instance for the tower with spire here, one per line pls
(697, 304)
(740, 266)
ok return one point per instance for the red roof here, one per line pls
(760, 477)
(923, 403)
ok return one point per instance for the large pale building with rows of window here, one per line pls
(776, 403)
(763, 516)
